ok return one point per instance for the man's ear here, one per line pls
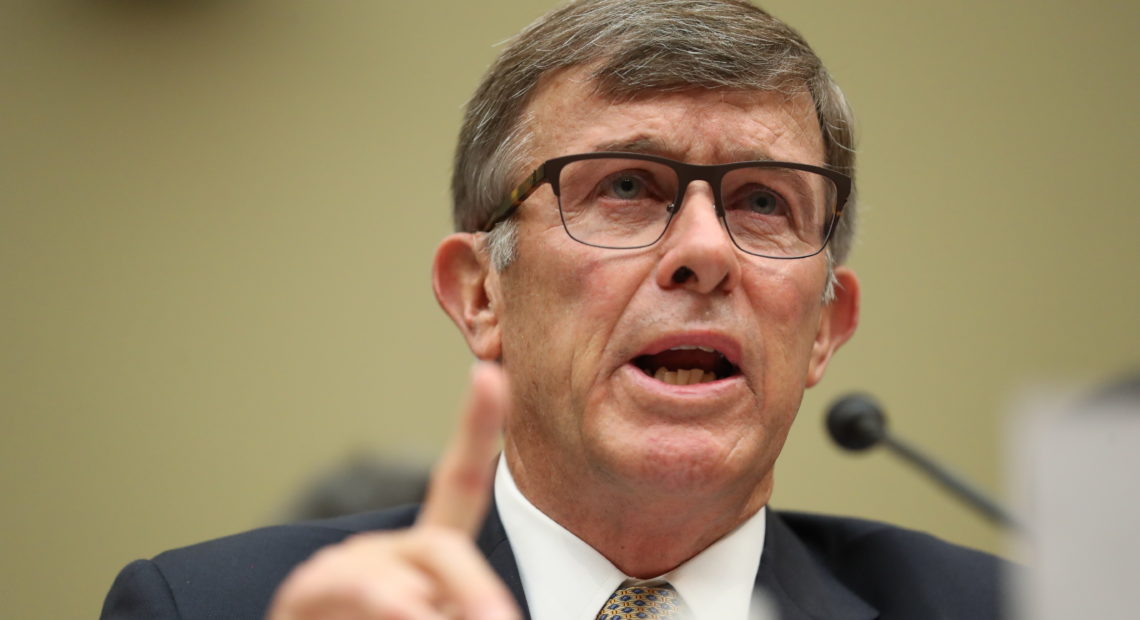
(465, 286)
(837, 323)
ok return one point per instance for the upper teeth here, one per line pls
(691, 347)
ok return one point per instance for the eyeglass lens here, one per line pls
(627, 203)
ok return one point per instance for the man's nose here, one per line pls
(699, 254)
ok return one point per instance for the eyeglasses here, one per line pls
(624, 201)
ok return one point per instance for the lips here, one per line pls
(688, 363)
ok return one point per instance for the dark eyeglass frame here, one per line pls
(551, 170)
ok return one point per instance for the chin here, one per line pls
(689, 462)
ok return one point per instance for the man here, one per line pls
(655, 205)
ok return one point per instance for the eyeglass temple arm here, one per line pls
(516, 197)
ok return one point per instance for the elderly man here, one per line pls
(655, 205)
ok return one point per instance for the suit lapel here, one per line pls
(492, 541)
(800, 588)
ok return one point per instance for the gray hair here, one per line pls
(636, 47)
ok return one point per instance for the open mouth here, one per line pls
(686, 365)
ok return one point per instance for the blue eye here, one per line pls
(626, 187)
(763, 202)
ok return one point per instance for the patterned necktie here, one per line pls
(658, 601)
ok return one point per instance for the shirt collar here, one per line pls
(566, 579)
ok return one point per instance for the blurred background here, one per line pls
(217, 219)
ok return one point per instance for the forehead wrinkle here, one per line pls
(768, 122)
(687, 125)
(789, 119)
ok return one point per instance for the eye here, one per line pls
(624, 186)
(763, 202)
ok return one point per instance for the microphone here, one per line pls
(857, 422)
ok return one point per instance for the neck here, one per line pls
(666, 529)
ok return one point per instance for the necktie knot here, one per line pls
(658, 601)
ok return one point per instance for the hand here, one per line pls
(433, 569)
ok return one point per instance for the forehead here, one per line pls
(568, 115)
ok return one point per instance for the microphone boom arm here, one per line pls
(951, 482)
(857, 422)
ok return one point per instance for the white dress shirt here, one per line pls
(566, 579)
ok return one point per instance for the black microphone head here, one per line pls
(856, 422)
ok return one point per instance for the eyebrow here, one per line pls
(644, 145)
(651, 146)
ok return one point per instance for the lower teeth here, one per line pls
(684, 376)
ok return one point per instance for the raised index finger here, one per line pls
(460, 487)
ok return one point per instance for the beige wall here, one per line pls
(218, 216)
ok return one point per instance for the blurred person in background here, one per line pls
(361, 483)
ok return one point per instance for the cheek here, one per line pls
(591, 290)
(555, 329)
(594, 296)
(786, 302)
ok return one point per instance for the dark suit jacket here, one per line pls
(812, 567)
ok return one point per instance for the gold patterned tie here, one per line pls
(657, 601)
